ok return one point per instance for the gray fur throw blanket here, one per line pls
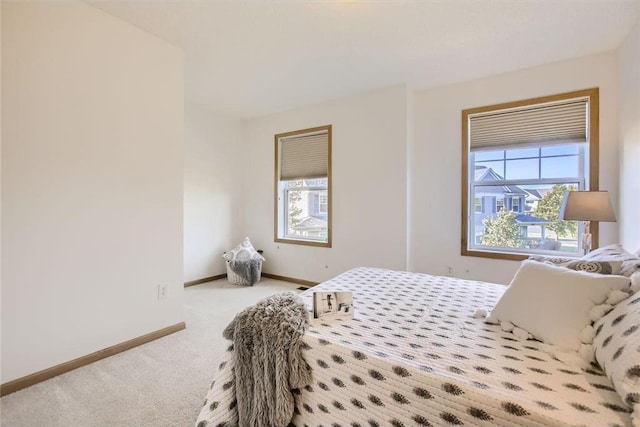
(267, 341)
(248, 270)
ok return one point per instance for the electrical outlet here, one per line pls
(449, 271)
(162, 291)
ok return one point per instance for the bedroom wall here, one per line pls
(0, 175)
(92, 148)
(212, 190)
(369, 185)
(629, 213)
(0, 166)
(435, 177)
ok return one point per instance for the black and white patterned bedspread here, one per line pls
(414, 355)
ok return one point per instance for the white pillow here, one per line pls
(243, 252)
(555, 304)
(635, 282)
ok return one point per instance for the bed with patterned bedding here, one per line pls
(414, 355)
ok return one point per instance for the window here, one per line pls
(515, 205)
(477, 207)
(323, 204)
(524, 156)
(303, 187)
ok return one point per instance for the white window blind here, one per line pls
(304, 157)
(541, 124)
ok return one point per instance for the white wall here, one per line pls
(0, 168)
(212, 191)
(92, 148)
(369, 185)
(436, 167)
(629, 67)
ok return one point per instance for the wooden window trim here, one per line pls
(276, 238)
(594, 162)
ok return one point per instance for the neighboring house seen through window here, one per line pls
(478, 205)
(521, 158)
(303, 187)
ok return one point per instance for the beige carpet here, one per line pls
(162, 383)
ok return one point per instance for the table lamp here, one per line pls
(587, 206)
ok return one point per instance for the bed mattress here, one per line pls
(414, 355)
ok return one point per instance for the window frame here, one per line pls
(593, 129)
(280, 219)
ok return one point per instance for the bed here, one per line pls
(414, 355)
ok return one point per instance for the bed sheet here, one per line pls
(414, 355)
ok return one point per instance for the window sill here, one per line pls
(303, 242)
(512, 256)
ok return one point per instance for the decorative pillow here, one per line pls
(617, 350)
(557, 305)
(552, 259)
(605, 252)
(630, 262)
(600, 267)
(635, 282)
(243, 252)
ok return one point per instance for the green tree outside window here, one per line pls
(549, 208)
(503, 231)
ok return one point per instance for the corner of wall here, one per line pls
(629, 137)
(213, 189)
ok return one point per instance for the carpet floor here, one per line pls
(162, 383)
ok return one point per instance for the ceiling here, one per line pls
(248, 59)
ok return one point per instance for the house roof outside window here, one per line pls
(311, 223)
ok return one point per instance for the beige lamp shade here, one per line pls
(587, 206)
